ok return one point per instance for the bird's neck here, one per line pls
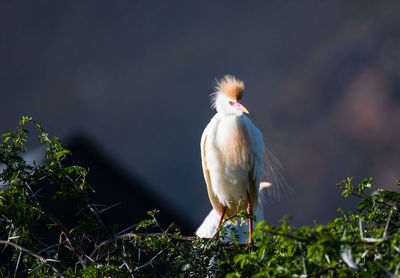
(234, 140)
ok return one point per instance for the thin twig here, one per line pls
(387, 224)
(100, 221)
(137, 235)
(22, 249)
(323, 271)
(77, 250)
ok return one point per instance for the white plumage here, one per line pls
(232, 151)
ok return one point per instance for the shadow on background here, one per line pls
(113, 184)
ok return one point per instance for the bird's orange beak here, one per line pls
(240, 107)
(244, 109)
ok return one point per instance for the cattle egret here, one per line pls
(232, 151)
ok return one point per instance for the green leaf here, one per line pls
(24, 120)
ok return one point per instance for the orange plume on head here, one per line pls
(231, 87)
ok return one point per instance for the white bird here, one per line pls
(232, 151)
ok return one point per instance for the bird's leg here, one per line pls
(216, 236)
(250, 211)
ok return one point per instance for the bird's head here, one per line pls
(228, 92)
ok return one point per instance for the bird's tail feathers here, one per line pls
(264, 185)
(277, 186)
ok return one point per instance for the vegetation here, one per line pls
(36, 243)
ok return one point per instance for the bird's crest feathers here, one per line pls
(231, 87)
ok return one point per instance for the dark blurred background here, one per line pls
(133, 78)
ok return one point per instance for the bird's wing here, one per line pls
(255, 160)
(213, 198)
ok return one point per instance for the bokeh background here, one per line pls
(134, 78)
